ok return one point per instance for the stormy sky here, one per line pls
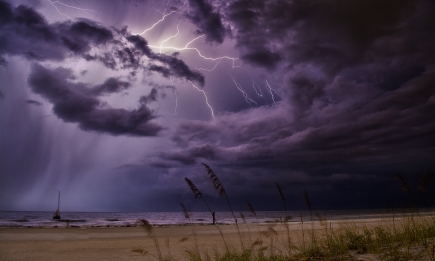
(114, 103)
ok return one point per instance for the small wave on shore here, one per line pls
(117, 219)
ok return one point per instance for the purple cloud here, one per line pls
(207, 20)
(72, 103)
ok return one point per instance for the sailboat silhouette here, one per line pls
(56, 214)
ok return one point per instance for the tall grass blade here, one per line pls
(198, 195)
(221, 191)
(149, 229)
(251, 209)
(307, 201)
(281, 194)
(422, 184)
(187, 216)
(243, 217)
(146, 224)
(405, 187)
(193, 188)
(185, 212)
(215, 180)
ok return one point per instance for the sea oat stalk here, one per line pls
(198, 195)
(281, 194)
(221, 191)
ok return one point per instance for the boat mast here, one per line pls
(57, 213)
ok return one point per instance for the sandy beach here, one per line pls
(127, 243)
(101, 243)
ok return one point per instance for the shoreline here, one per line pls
(133, 243)
(72, 223)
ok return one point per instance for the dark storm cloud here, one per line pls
(3, 61)
(89, 31)
(81, 35)
(33, 102)
(107, 59)
(140, 44)
(172, 65)
(356, 86)
(161, 69)
(127, 59)
(264, 58)
(25, 32)
(358, 132)
(111, 85)
(32, 3)
(355, 122)
(207, 20)
(357, 100)
(178, 68)
(72, 104)
(331, 34)
(190, 156)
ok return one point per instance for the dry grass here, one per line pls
(409, 237)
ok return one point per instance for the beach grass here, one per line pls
(409, 236)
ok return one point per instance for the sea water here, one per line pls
(120, 219)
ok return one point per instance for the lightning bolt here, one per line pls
(219, 60)
(245, 95)
(157, 10)
(259, 92)
(164, 11)
(166, 7)
(161, 47)
(170, 37)
(271, 90)
(186, 47)
(58, 2)
(206, 98)
(176, 96)
(163, 17)
(203, 92)
(209, 70)
(315, 73)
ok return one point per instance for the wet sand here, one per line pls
(127, 243)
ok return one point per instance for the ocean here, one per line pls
(120, 219)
